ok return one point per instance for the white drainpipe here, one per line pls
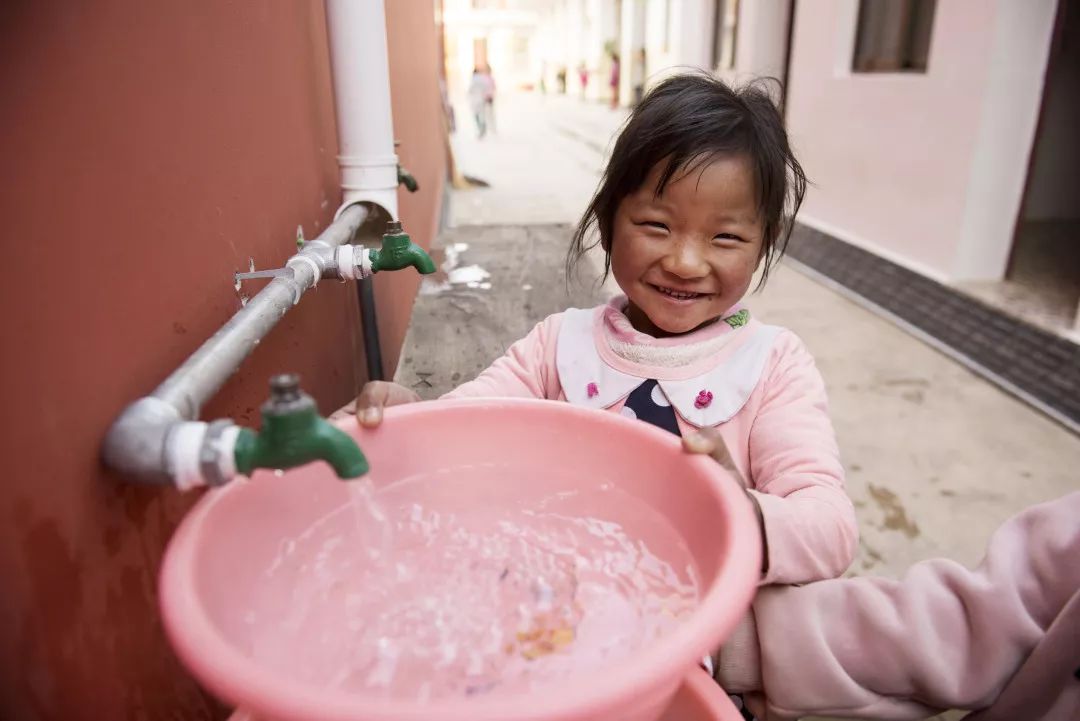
(361, 72)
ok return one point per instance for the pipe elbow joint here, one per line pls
(136, 443)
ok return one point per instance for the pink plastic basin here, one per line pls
(215, 559)
(698, 699)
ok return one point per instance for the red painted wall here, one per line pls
(150, 149)
(414, 88)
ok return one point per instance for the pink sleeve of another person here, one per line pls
(522, 372)
(796, 475)
(941, 637)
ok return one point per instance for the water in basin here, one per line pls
(418, 591)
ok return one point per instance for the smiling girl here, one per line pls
(700, 192)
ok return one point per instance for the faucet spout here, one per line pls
(293, 434)
(399, 251)
(420, 260)
(407, 179)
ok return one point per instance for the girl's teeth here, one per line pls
(677, 294)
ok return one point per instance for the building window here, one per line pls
(893, 36)
(725, 33)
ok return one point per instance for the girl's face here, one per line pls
(687, 256)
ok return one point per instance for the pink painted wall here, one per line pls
(889, 155)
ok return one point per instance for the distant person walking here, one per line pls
(448, 108)
(583, 77)
(477, 102)
(489, 97)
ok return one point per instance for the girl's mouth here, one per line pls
(679, 295)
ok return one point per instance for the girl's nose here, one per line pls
(685, 260)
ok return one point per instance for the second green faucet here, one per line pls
(399, 251)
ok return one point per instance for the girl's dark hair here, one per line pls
(686, 121)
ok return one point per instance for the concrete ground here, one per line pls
(936, 457)
(1043, 286)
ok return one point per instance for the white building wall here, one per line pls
(925, 169)
(659, 49)
(693, 25)
(608, 35)
(678, 36)
(761, 44)
(592, 52)
(631, 43)
(509, 33)
(576, 33)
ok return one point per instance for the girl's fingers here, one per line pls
(376, 396)
(698, 443)
(708, 441)
(370, 403)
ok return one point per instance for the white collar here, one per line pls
(587, 380)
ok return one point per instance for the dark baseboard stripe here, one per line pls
(1038, 366)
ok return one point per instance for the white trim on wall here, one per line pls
(1005, 137)
(847, 27)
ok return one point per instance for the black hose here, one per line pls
(365, 296)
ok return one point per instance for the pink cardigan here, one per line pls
(1003, 638)
(769, 406)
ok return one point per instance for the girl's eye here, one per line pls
(728, 236)
(653, 224)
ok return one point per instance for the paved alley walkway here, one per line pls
(936, 457)
(542, 161)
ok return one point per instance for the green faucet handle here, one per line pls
(399, 251)
(293, 434)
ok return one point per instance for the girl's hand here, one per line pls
(709, 442)
(376, 395)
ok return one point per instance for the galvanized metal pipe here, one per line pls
(203, 374)
(136, 444)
